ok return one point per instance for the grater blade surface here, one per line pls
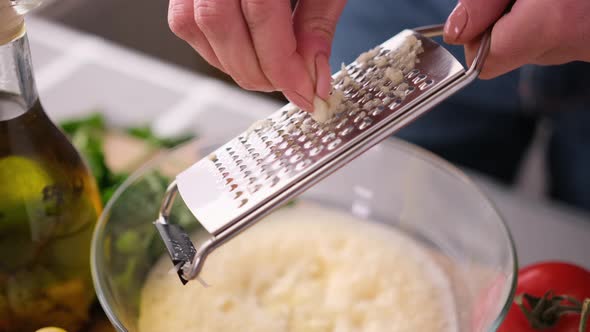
(240, 181)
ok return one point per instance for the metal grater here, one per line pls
(257, 171)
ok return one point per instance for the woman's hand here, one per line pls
(543, 32)
(263, 44)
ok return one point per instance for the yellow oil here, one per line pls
(49, 204)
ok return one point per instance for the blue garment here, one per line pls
(489, 125)
(367, 23)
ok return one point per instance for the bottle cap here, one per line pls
(12, 18)
(12, 24)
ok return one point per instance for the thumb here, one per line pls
(315, 24)
(471, 18)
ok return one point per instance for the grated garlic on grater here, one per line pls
(399, 62)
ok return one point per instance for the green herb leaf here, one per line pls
(94, 121)
(135, 244)
(87, 135)
(145, 133)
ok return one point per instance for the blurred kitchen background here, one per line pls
(136, 24)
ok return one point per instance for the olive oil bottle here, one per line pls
(49, 204)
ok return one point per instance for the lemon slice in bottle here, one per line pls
(22, 181)
(21, 193)
(51, 329)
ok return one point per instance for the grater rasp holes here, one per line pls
(290, 141)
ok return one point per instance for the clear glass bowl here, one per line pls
(395, 183)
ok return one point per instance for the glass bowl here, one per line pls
(395, 184)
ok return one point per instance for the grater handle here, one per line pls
(176, 240)
(187, 260)
(437, 30)
(166, 207)
(192, 270)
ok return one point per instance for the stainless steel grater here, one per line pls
(257, 171)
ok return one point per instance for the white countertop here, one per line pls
(78, 74)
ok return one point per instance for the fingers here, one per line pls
(262, 44)
(323, 76)
(543, 32)
(511, 45)
(471, 18)
(315, 25)
(182, 23)
(223, 25)
(271, 29)
(526, 35)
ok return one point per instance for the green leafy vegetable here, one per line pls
(290, 203)
(115, 180)
(88, 135)
(135, 243)
(94, 121)
(145, 133)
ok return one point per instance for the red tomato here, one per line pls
(558, 277)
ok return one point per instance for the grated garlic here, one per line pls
(394, 75)
(398, 62)
(346, 82)
(368, 56)
(259, 125)
(381, 61)
(324, 110)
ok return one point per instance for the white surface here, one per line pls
(78, 74)
(542, 230)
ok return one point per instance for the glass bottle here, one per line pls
(49, 204)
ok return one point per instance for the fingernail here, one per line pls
(324, 80)
(456, 23)
(298, 100)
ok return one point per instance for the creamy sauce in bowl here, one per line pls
(306, 268)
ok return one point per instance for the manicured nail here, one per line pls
(456, 23)
(298, 100)
(324, 79)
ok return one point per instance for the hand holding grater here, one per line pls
(261, 169)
